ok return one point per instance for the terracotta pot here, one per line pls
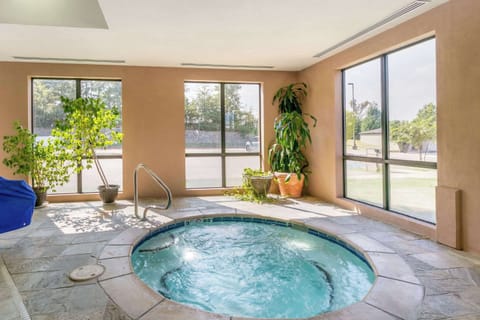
(291, 188)
(274, 187)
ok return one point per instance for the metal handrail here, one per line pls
(158, 181)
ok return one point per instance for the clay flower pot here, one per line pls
(291, 188)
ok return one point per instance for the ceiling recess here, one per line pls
(58, 13)
(397, 14)
(68, 59)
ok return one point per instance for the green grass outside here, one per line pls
(412, 189)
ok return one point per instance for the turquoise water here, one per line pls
(252, 270)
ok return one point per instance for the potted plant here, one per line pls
(255, 185)
(43, 160)
(89, 125)
(258, 180)
(292, 135)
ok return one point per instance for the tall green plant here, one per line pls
(44, 160)
(88, 125)
(290, 97)
(292, 131)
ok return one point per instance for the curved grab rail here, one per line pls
(158, 181)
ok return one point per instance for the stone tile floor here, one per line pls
(36, 260)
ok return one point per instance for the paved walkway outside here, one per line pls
(35, 261)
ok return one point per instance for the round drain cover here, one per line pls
(87, 272)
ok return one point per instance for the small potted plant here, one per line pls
(258, 180)
(89, 125)
(255, 185)
(43, 160)
(292, 135)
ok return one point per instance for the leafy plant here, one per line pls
(292, 132)
(44, 160)
(372, 119)
(88, 125)
(416, 133)
(249, 172)
(290, 97)
(247, 191)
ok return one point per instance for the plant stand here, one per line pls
(260, 184)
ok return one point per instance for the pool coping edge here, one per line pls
(407, 287)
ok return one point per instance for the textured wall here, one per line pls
(153, 112)
(456, 26)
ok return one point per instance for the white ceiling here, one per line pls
(279, 33)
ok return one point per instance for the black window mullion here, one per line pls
(32, 120)
(385, 133)
(344, 126)
(222, 133)
(78, 93)
(259, 126)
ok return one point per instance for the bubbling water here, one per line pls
(252, 270)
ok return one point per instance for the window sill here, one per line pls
(399, 220)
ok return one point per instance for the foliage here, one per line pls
(417, 132)
(352, 125)
(292, 132)
(203, 112)
(424, 127)
(357, 120)
(358, 110)
(47, 104)
(400, 133)
(249, 172)
(290, 97)
(372, 118)
(88, 125)
(45, 161)
(247, 192)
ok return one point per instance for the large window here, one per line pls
(47, 108)
(389, 116)
(221, 132)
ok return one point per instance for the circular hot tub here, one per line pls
(252, 267)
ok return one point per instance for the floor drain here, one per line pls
(86, 272)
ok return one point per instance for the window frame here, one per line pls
(78, 91)
(223, 154)
(384, 159)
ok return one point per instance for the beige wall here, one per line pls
(456, 26)
(153, 112)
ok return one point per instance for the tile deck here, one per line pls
(417, 278)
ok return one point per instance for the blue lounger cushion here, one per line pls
(17, 202)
